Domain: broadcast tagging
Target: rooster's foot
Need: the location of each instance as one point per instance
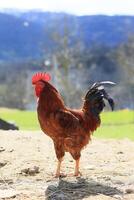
(78, 174)
(60, 175)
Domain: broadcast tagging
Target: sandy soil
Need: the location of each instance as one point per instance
(27, 163)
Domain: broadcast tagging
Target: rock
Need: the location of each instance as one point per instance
(129, 190)
(2, 149)
(34, 170)
(30, 171)
(11, 150)
(52, 187)
(2, 164)
(62, 196)
(4, 125)
(25, 171)
(107, 178)
(120, 152)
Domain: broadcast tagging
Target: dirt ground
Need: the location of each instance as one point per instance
(27, 165)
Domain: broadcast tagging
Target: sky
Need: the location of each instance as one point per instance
(78, 7)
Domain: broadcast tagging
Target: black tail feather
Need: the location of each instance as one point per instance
(96, 95)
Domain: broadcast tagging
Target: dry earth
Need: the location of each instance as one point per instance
(27, 163)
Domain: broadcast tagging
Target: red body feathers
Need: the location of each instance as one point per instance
(69, 129)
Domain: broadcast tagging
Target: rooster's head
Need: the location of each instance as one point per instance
(39, 80)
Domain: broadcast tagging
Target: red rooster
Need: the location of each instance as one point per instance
(69, 129)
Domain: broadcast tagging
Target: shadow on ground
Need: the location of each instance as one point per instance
(81, 188)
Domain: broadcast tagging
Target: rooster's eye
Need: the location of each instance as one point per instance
(39, 87)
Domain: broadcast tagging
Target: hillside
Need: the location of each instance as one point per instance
(29, 34)
(96, 48)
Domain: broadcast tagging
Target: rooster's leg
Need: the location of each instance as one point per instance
(59, 150)
(77, 171)
(76, 156)
(58, 174)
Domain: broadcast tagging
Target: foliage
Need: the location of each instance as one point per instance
(78, 55)
(125, 59)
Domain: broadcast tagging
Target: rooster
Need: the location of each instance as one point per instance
(69, 129)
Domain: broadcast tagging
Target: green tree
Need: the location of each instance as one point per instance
(125, 59)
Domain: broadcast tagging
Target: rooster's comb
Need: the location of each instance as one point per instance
(40, 76)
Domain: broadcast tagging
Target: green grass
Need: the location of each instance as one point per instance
(118, 132)
(118, 117)
(25, 120)
(118, 124)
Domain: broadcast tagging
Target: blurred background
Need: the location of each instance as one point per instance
(78, 42)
